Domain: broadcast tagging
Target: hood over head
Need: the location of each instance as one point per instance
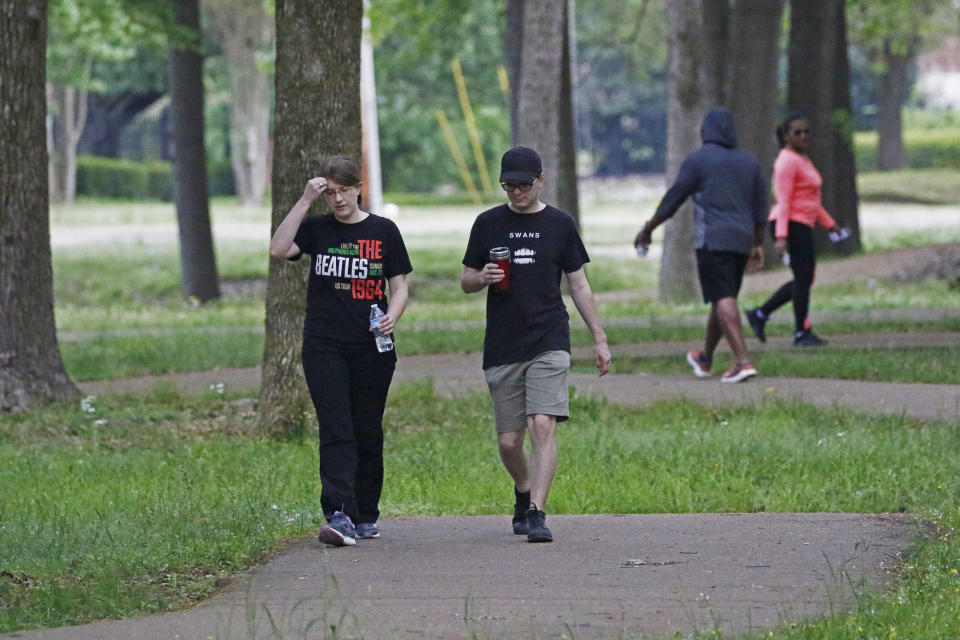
(718, 128)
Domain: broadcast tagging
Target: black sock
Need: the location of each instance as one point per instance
(532, 507)
(522, 498)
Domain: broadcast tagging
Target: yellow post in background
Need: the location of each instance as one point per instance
(504, 81)
(471, 125)
(454, 148)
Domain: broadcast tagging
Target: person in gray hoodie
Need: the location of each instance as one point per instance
(730, 209)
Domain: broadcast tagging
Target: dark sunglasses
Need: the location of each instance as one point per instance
(522, 187)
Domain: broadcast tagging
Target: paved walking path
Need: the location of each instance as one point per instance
(455, 373)
(605, 576)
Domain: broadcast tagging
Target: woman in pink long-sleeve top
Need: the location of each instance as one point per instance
(796, 184)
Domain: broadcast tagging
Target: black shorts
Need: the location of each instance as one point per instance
(721, 273)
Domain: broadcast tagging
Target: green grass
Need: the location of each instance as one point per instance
(921, 186)
(157, 352)
(169, 493)
(931, 365)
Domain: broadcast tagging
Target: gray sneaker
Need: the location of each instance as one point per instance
(339, 531)
(367, 530)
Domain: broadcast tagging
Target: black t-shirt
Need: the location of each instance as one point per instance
(351, 266)
(529, 318)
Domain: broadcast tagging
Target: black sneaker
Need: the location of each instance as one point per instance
(520, 506)
(537, 526)
(758, 325)
(808, 339)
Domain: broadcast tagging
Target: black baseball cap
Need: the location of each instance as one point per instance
(520, 164)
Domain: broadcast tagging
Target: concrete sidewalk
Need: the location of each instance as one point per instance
(605, 576)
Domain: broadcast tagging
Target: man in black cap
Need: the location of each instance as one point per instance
(526, 349)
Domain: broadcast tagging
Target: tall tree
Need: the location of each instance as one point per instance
(197, 259)
(244, 32)
(751, 81)
(31, 369)
(891, 32)
(317, 115)
(687, 102)
(542, 111)
(818, 85)
(82, 36)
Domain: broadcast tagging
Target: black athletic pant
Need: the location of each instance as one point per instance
(349, 392)
(803, 262)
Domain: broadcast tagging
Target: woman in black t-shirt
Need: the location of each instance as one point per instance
(356, 258)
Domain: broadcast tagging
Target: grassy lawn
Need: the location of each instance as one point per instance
(933, 365)
(122, 314)
(922, 186)
(152, 524)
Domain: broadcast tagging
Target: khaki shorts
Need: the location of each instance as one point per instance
(524, 389)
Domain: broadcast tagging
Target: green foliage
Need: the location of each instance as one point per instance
(150, 180)
(113, 178)
(621, 59)
(84, 34)
(923, 148)
(415, 44)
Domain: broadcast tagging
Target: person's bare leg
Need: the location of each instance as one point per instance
(543, 456)
(728, 316)
(714, 331)
(510, 446)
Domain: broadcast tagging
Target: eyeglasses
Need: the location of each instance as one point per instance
(522, 187)
(342, 191)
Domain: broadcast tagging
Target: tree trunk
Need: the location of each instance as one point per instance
(716, 42)
(686, 105)
(568, 197)
(68, 125)
(819, 87)
(537, 47)
(513, 55)
(538, 102)
(894, 91)
(197, 258)
(242, 29)
(317, 115)
(31, 369)
(107, 116)
(249, 127)
(752, 82)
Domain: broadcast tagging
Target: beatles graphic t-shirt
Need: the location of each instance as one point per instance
(529, 318)
(351, 264)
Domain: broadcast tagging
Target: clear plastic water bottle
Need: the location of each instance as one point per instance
(384, 342)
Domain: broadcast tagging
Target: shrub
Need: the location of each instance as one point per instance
(131, 180)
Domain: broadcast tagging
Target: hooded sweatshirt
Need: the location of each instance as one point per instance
(728, 188)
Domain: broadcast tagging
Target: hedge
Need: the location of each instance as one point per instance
(131, 180)
(923, 149)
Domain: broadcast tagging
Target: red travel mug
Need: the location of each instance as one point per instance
(501, 257)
